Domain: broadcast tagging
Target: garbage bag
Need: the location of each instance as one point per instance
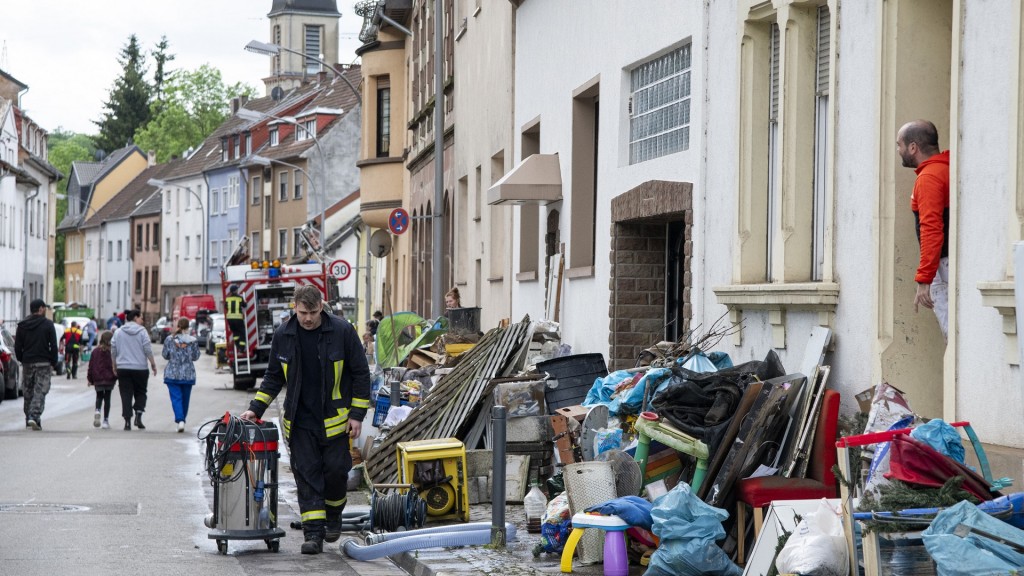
(941, 436)
(556, 524)
(633, 510)
(816, 546)
(697, 363)
(978, 551)
(688, 529)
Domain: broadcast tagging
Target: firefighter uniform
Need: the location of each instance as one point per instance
(235, 316)
(320, 401)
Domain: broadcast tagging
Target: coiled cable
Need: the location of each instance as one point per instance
(392, 510)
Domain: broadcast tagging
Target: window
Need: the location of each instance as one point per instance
(307, 131)
(312, 48)
(266, 214)
(155, 243)
(297, 249)
(529, 215)
(214, 253)
(138, 281)
(233, 185)
(120, 250)
(110, 251)
(383, 117)
(167, 196)
(138, 236)
(659, 118)
(214, 201)
(248, 144)
(199, 246)
(167, 250)
(236, 147)
(298, 184)
(273, 136)
(188, 246)
(257, 190)
(282, 186)
(226, 250)
(224, 149)
(282, 243)
(256, 248)
(109, 290)
(583, 191)
(821, 167)
(154, 283)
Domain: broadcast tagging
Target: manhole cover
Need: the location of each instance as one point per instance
(41, 508)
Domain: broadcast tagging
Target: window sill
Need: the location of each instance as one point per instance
(776, 299)
(580, 272)
(530, 276)
(493, 279)
(1001, 295)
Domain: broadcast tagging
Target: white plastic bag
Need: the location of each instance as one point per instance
(817, 546)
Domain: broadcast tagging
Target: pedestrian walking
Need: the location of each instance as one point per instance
(72, 344)
(131, 351)
(181, 350)
(319, 359)
(90, 334)
(35, 346)
(102, 377)
(114, 322)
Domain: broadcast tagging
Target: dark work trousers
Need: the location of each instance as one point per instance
(71, 361)
(237, 326)
(321, 470)
(132, 384)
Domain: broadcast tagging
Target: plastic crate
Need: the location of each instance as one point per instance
(381, 408)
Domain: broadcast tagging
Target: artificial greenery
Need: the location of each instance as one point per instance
(897, 495)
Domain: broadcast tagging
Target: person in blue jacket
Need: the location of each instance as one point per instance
(181, 350)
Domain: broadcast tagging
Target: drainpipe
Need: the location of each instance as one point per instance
(359, 238)
(369, 280)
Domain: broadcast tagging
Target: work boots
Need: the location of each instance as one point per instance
(333, 531)
(314, 543)
(138, 420)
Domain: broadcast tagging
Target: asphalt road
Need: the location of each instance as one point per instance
(80, 500)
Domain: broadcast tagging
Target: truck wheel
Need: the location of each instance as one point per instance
(244, 383)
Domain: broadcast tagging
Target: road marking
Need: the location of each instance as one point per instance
(84, 440)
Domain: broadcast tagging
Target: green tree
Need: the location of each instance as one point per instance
(195, 103)
(161, 57)
(65, 148)
(128, 104)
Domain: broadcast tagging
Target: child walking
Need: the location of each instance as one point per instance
(180, 350)
(101, 376)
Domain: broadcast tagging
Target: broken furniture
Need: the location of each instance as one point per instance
(870, 541)
(650, 428)
(821, 483)
(615, 561)
(438, 470)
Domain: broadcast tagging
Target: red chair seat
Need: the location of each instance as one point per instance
(758, 492)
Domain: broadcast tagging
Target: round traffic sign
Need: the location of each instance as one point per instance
(340, 269)
(398, 222)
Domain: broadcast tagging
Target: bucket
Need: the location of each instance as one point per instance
(573, 376)
(464, 320)
(589, 484)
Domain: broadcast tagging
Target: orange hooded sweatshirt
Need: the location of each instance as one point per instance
(930, 203)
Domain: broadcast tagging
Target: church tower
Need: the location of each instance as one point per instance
(306, 30)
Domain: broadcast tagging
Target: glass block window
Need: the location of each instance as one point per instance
(659, 115)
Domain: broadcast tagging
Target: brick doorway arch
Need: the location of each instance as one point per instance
(650, 274)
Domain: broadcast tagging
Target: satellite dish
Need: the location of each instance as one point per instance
(380, 243)
(277, 93)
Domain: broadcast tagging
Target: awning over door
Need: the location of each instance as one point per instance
(538, 180)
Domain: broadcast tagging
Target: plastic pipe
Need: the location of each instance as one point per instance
(498, 536)
(421, 541)
(389, 536)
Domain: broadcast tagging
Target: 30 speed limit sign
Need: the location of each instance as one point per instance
(340, 269)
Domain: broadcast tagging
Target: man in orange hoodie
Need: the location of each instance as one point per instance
(918, 146)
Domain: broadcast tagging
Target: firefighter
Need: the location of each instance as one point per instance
(319, 359)
(234, 313)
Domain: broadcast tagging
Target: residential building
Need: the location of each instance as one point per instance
(110, 230)
(145, 223)
(90, 186)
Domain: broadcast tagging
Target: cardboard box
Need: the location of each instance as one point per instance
(577, 413)
(563, 439)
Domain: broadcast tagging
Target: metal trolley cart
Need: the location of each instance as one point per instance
(241, 462)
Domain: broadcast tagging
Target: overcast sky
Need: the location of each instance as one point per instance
(66, 51)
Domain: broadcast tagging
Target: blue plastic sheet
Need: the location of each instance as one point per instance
(942, 437)
(697, 363)
(688, 529)
(627, 401)
(973, 554)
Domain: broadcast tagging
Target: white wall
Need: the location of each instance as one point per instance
(116, 272)
(12, 213)
(179, 268)
(560, 46)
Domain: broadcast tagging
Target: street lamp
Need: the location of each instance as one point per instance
(253, 115)
(269, 49)
(161, 184)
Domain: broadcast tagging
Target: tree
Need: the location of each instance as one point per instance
(161, 57)
(65, 148)
(195, 104)
(127, 107)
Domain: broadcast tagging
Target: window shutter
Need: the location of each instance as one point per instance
(773, 114)
(824, 40)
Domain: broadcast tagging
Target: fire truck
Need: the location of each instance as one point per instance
(267, 288)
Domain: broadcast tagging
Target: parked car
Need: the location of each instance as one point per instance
(201, 330)
(11, 366)
(217, 333)
(161, 330)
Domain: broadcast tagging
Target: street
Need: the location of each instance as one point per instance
(75, 499)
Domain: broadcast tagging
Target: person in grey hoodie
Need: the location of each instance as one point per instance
(131, 351)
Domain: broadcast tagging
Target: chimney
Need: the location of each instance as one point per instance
(235, 105)
(151, 157)
(243, 100)
(321, 76)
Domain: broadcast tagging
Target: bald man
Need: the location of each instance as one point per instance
(917, 143)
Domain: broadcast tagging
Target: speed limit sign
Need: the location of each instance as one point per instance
(340, 269)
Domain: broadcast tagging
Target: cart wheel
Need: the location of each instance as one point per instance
(222, 546)
(273, 545)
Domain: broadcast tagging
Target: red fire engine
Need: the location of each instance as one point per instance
(267, 288)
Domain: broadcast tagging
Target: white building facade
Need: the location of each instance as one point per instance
(12, 206)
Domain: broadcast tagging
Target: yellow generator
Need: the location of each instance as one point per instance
(438, 470)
